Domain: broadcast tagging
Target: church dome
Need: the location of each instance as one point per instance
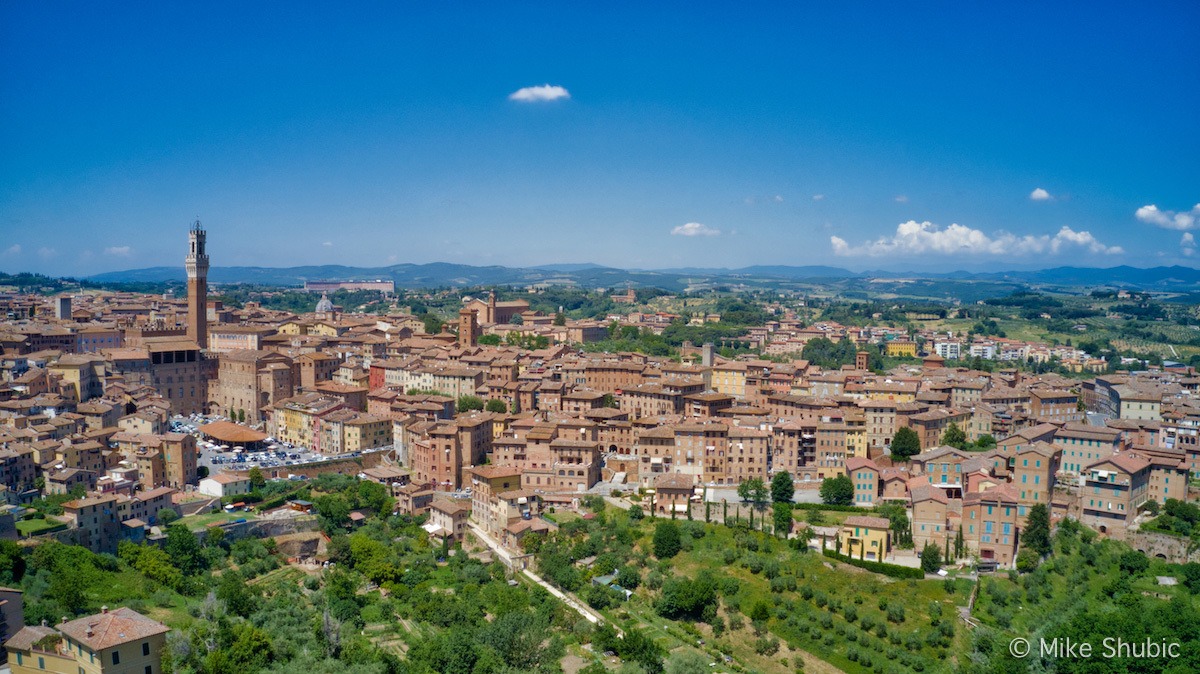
(324, 306)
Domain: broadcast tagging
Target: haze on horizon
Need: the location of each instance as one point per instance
(930, 139)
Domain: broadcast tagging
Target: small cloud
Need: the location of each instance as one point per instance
(1151, 215)
(902, 198)
(118, 251)
(694, 229)
(922, 238)
(749, 201)
(1039, 194)
(779, 198)
(328, 244)
(818, 197)
(45, 252)
(1187, 244)
(545, 92)
(14, 249)
(393, 257)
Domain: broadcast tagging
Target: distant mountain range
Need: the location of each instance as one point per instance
(588, 275)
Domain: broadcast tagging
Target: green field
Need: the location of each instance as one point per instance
(39, 526)
(205, 520)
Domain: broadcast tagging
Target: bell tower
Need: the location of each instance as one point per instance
(197, 289)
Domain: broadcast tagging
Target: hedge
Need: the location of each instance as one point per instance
(833, 508)
(893, 570)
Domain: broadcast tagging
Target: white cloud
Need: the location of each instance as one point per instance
(45, 252)
(545, 92)
(695, 229)
(327, 244)
(818, 197)
(14, 249)
(918, 238)
(779, 198)
(118, 251)
(1040, 194)
(902, 198)
(1151, 215)
(1187, 244)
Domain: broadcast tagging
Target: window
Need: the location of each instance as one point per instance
(116, 657)
(145, 648)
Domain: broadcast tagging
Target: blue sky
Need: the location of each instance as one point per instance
(689, 135)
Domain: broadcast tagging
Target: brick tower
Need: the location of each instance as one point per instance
(468, 328)
(197, 290)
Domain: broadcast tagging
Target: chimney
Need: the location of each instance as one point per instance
(103, 609)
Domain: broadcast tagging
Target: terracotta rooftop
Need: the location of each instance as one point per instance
(112, 628)
(227, 431)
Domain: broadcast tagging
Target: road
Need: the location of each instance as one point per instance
(570, 600)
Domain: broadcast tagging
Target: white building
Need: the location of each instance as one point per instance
(225, 484)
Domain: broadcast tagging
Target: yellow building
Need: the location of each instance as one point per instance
(856, 435)
(366, 431)
(111, 642)
(866, 538)
(902, 348)
(730, 379)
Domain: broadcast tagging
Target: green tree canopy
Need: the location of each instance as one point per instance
(837, 490)
(954, 437)
(496, 405)
(753, 490)
(931, 557)
(782, 487)
(469, 403)
(666, 540)
(905, 444)
(1037, 530)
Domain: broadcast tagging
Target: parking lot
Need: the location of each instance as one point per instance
(216, 457)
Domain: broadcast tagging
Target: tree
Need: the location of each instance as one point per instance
(489, 340)
(931, 557)
(954, 437)
(257, 481)
(433, 324)
(837, 490)
(666, 540)
(686, 662)
(1027, 560)
(682, 598)
(238, 598)
(12, 564)
(782, 487)
(469, 403)
(496, 405)
(166, 516)
(636, 513)
(985, 442)
(201, 472)
(516, 320)
(782, 518)
(184, 549)
(753, 490)
(905, 443)
(1037, 530)
(560, 319)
